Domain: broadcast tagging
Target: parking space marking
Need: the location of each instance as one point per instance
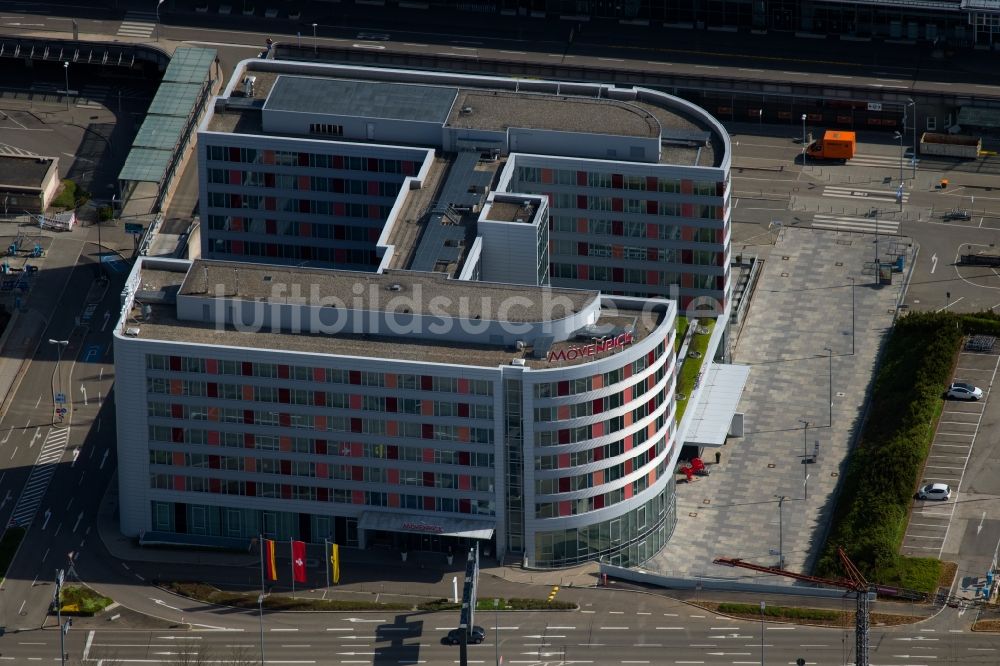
(933, 472)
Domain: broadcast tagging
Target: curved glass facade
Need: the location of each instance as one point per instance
(627, 541)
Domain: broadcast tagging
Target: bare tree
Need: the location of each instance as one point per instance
(240, 655)
(191, 655)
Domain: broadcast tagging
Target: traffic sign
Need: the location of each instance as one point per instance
(60, 397)
(874, 106)
(61, 411)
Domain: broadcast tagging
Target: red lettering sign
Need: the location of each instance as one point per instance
(605, 344)
(423, 527)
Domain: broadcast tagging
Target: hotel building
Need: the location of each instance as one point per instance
(460, 322)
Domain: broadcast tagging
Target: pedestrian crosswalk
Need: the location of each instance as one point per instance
(861, 225)
(52, 452)
(7, 149)
(137, 24)
(888, 161)
(868, 194)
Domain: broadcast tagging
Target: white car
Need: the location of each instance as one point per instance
(963, 391)
(934, 491)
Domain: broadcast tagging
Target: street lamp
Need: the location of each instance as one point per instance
(852, 314)
(260, 614)
(66, 71)
(805, 461)
(913, 158)
(496, 623)
(158, 3)
(60, 345)
(781, 536)
(899, 135)
(830, 355)
(315, 47)
(763, 605)
(803, 139)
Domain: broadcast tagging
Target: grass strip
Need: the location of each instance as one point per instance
(504, 605)
(212, 595)
(83, 601)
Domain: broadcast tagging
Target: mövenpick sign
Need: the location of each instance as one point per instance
(605, 345)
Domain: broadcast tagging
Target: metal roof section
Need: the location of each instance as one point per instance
(365, 99)
(146, 165)
(160, 132)
(189, 65)
(175, 99)
(720, 398)
(452, 222)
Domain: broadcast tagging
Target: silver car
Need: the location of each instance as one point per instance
(934, 491)
(963, 391)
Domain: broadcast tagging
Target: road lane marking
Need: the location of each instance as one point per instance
(614, 628)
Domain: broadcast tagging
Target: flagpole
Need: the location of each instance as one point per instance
(260, 600)
(326, 561)
(291, 545)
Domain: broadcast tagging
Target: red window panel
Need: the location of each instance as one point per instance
(338, 186)
(246, 369)
(248, 440)
(373, 188)
(284, 396)
(617, 227)
(212, 389)
(304, 205)
(251, 488)
(582, 249)
(463, 457)
(564, 484)
(355, 425)
(354, 401)
(355, 377)
(651, 184)
(305, 183)
(270, 203)
(319, 398)
(177, 411)
(652, 277)
(320, 445)
(269, 179)
(286, 491)
(617, 181)
(720, 282)
(409, 168)
(322, 495)
(564, 436)
(175, 363)
(464, 506)
(581, 201)
(427, 431)
(214, 486)
(599, 502)
(429, 479)
(237, 246)
(598, 405)
(581, 178)
(177, 435)
(235, 177)
(617, 204)
(271, 227)
(213, 462)
(303, 159)
(390, 404)
(284, 419)
(236, 201)
(373, 164)
(618, 274)
(373, 234)
(374, 212)
(357, 497)
(565, 508)
(392, 453)
(428, 504)
(337, 161)
(599, 453)
(212, 366)
(340, 256)
(357, 473)
(426, 383)
(651, 207)
(651, 254)
(248, 416)
(213, 437)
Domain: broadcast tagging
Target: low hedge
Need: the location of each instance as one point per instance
(213, 595)
(870, 518)
(784, 612)
(504, 605)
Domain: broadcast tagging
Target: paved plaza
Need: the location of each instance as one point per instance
(802, 307)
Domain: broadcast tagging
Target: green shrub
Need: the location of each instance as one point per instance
(81, 600)
(212, 595)
(785, 612)
(870, 518)
(71, 196)
(504, 605)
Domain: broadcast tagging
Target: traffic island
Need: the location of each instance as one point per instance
(277, 602)
(514, 604)
(80, 601)
(813, 616)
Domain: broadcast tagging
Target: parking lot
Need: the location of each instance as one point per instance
(949, 455)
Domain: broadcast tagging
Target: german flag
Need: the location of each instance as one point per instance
(270, 564)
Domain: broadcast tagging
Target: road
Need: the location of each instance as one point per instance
(621, 634)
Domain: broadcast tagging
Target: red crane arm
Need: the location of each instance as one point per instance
(736, 562)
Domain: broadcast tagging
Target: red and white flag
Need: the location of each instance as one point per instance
(299, 561)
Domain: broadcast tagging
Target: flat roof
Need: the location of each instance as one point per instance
(23, 170)
(161, 322)
(500, 110)
(365, 99)
(719, 400)
(375, 291)
(508, 211)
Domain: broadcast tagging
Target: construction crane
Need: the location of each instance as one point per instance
(855, 582)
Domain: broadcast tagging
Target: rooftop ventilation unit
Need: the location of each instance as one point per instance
(394, 287)
(132, 332)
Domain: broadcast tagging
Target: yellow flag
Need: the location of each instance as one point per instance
(335, 561)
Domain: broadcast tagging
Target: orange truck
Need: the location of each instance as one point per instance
(835, 145)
